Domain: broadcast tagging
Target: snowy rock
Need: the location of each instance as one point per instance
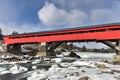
(73, 68)
(57, 60)
(65, 65)
(35, 61)
(65, 54)
(60, 56)
(57, 76)
(72, 78)
(34, 67)
(37, 76)
(47, 59)
(5, 72)
(101, 66)
(84, 63)
(73, 54)
(17, 69)
(53, 67)
(84, 78)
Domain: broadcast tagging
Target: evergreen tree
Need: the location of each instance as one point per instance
(84, 48)
(14, 32)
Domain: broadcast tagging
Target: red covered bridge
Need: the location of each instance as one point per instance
(106, 33)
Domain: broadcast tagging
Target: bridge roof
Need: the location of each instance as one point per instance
(68, 29)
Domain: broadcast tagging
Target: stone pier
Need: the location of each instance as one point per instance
(47, 49)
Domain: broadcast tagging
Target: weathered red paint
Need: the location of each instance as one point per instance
(109, 32)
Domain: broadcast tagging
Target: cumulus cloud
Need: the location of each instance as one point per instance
(73, 15)
(50, 15)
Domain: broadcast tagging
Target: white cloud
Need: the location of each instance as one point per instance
(50, 15)
(9, 28)
(6, 29)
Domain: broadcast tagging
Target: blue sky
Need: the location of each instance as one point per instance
(39, 15)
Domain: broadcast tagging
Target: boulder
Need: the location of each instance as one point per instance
(73, 54)
(116, 58)
(101, 66)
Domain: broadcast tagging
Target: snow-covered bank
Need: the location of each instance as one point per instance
(92, 54)
(95, 55)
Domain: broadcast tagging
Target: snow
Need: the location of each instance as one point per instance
(17, 69)
(57, 60)
(34, 67)
(87, 66)
(79, 68)
(36, 76)
(84, 63)
(74, 73)
(95, 55)
(36, 61)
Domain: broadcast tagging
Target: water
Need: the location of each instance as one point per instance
(18, 76)
(45, 66)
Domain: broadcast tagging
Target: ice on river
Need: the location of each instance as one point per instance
(84, 67)
(87, 66)
(14, 69)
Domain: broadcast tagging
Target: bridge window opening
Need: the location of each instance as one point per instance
(13, 37)
(26, 36)
(92, 31)
(115, 28)
(101, 30)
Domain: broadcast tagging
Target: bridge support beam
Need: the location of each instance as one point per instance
(47, 49)
(51, 47)
(116, 47)
(111, 45)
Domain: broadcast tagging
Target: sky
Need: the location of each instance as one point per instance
(40, 15)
